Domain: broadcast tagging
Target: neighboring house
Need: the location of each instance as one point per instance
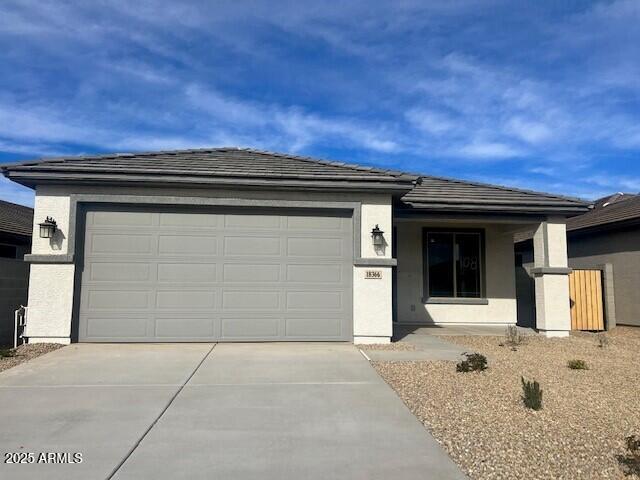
(607, 238)
(15, 241)
(243, 245)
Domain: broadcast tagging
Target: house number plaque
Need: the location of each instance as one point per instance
(373, 274)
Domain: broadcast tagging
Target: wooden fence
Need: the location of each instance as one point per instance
(585, 291)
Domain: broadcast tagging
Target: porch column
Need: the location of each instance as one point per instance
(551, 272)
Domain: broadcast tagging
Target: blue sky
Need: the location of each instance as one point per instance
(542, 95)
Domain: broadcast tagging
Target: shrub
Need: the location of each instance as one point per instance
(475, 362)
(630, 462)
(577, 365)
(513, 337)
(531, 394)
(603, 340)
(4, 353)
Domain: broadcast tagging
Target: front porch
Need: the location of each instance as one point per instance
(458, 272)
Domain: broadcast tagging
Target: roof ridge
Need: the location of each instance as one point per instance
(508, 189)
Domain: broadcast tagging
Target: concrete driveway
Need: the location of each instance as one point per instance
(228, 411)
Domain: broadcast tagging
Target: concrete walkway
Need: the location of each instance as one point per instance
(201, 411)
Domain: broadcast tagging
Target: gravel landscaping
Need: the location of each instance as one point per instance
(24, 353)
(480, 419)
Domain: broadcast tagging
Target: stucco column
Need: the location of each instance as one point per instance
(51, 274)
(553, 316)
(372, 274)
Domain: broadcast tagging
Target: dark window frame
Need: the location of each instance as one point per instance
(425, 263)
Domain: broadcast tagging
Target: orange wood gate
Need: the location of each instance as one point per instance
(585, 290)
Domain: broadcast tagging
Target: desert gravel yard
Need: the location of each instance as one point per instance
(481, 421)
(15, 356)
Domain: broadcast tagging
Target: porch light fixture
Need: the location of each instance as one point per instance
(378, 236)
(48, 228)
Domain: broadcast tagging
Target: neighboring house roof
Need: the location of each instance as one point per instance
(233, 166)
(238, 167)
(610, 211)
(16, 219)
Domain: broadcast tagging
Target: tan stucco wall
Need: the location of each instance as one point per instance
(51, 286)
(499, 279)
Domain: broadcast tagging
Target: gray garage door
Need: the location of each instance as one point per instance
(200, 275)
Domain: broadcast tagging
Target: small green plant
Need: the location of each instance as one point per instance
(475, 362)
(531, 394)
(630, 462)
(577, 365)
(7, 352)
(603, 340)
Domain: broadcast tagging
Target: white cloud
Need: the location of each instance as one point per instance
(530, 131)
(489, 151)
(429, 121)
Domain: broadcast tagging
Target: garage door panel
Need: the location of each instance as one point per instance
(116, 327)
(252, 246)
(113, 243)
(248, 300)
(182, 219)
(314, 223)
(314, 273)
(252, 221)
(181, 327)
(322, 327)
(185, 299)
(119, 271)
(118, 299)
(251, 273)
(188, 245)
(120, 218)
(178, 274)
(186, 272)
(315, 300)
(314, 247)
(250, 328)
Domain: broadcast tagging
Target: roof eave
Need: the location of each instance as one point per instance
(494, 209)
(33, 178)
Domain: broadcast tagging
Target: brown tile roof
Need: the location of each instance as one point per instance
(614, 209)
(235, 163)
(435, 193)
(235, 167)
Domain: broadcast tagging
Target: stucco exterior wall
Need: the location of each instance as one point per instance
(621, 249)
(50, 303)
(52, 284)
(499, 278)
(57, 206)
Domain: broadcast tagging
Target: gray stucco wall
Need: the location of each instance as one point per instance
(621, 249)
(14, 281)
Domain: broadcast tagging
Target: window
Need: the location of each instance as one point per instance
(453, 263)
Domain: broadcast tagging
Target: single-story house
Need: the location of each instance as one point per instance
(606, 239)
(15, 241)
(229, 244)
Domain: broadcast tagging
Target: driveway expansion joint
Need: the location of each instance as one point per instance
(157, 419)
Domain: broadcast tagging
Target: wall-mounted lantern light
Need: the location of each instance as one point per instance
(378, 236)
(48, 228)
